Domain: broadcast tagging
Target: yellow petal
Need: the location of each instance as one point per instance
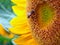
(26, 40)
(18, 30)
(19, 11)
(2, 31)
(19, 2)
(11, 35)
(18, 21)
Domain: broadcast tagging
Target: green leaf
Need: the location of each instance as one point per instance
(6, 41)
(6, 13)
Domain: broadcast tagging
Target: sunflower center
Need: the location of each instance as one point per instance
(45, 15)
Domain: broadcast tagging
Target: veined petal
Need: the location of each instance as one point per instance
(26, 40)
(2, 31)
(19, 21)
(19, 11)
(19, 2)
(20, 30)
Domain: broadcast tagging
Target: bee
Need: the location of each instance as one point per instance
(30, 13)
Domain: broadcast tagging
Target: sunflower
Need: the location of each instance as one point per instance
(43, 20)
